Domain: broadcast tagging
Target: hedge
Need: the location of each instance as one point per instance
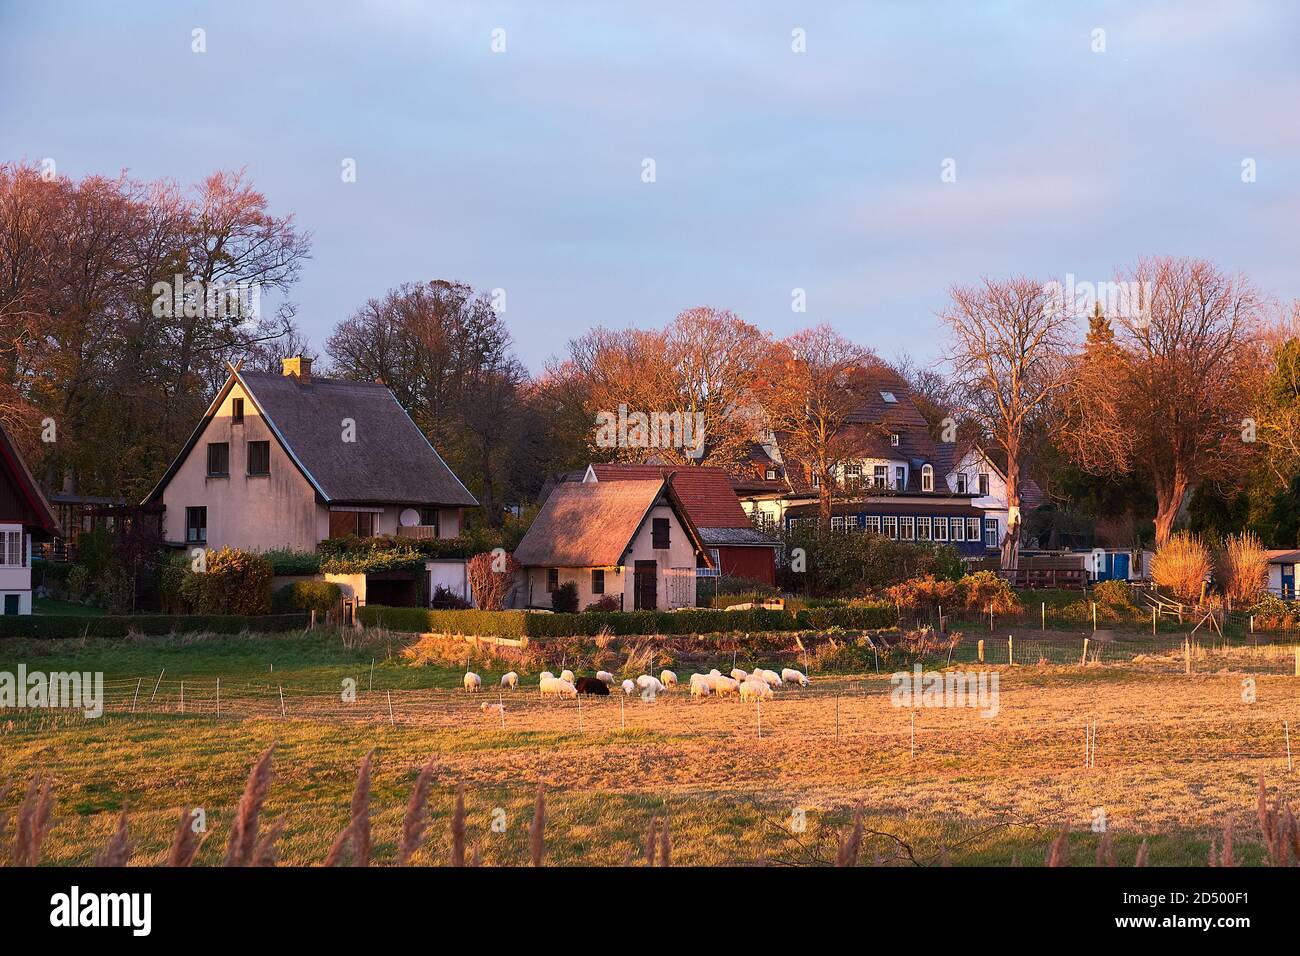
(517, 624)
(319, 596)
(121, 625)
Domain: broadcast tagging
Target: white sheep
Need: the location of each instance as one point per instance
(473, 683)
(754, 690)
(629, 687)
(606, 676)
(792, 676)
(668, 679)
(725, 686)
(553, 686)
(545, 674)
(491, 710)
(701, 686)
(740, 675)
(715, 673)
(771, 678)
(510, 680)
(645, 681)
(567, 675)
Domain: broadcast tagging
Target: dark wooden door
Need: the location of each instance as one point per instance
(646, 575)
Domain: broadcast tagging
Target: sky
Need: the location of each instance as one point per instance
(524, 169)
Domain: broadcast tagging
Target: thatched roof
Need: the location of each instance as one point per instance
(592, 524)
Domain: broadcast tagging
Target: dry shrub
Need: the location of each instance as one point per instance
(983, 590)
(926, 593)
(1182, 566)
(492, 578)
(1243, 568)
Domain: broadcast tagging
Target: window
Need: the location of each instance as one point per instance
(878, 474)
(854, 523)
(960, 478)
(900, 477)
(906, 528)
(13, 550)
(552, 579)
(927, 478)
(990, 532)
(597, 580)
(196, 525)
(889, 526)
(873, 524)
(940, 529)
(984, 483)
(923, 529)
(894, 439)
(237, 411)
(853, 471)
(958, 529)
(365, 524)
(429, 518)
(972, 529)
(218, 459)
(837, 523)
(889, 398)
(659, 533)
(816, 480)
(259, 457)
(770, 474)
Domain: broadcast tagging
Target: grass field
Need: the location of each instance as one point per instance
(1176, 755)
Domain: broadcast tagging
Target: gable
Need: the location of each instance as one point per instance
(21, 500)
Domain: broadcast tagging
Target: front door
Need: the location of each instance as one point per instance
(1288, 581)
(11, 603)
(645, 596)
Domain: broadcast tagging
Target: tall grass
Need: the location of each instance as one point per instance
(1243, 569)
(1182, 566)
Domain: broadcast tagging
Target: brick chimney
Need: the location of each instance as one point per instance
(297, 366)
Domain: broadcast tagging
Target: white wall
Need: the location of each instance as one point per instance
(17, 579)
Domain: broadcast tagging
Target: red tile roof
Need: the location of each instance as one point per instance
(705, 492)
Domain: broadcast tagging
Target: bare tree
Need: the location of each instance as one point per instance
(1008, 339)
(810, 386)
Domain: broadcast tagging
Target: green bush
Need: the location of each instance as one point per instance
(319, 596)
(78, 586)
(235, 582)
(1116, 594)
(564, 599)
(284, 561)
(516, 624)
(114, 625)
(839, 563)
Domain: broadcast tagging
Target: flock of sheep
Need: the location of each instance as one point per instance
(747, 685)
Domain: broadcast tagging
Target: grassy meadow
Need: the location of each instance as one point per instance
(1177, 755)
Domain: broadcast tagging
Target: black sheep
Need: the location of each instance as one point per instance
(593, 685)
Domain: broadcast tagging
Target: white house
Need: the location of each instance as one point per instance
(24, 515)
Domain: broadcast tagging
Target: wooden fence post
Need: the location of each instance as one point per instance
(1011, 652)
(1094, 615)
(981, 651)
(1084, 659)
(1044, 613)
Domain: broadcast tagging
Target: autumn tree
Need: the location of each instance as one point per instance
(1008, 339)
(809, 387)
(701, 369)
(1170, 396)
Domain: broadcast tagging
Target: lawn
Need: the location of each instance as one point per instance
(1177, 755)
(42, 605)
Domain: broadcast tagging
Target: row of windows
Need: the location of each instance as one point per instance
(597, 580)
(854, 474)
(917, 528)
(259, 458)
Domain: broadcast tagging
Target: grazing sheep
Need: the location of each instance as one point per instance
(606, 676)
(592, 685)
(645, 681)
(473, 683)
(491, 710)
(700, 686)
(793, 676)
(510, 680)
(725, 686)
(553, 686)
(566, 675)
(754, 690)
(545, 674)
(715, 673)
(740, 675)
(668, 679)
(629, 687)
(771, 678)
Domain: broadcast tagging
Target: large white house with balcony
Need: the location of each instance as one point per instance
(289, 460)
(24, 515)
(900, 482)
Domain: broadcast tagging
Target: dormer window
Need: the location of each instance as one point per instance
(889, 398)
(770, 474)
(894, 439)
(927, 478)
(960, 479)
